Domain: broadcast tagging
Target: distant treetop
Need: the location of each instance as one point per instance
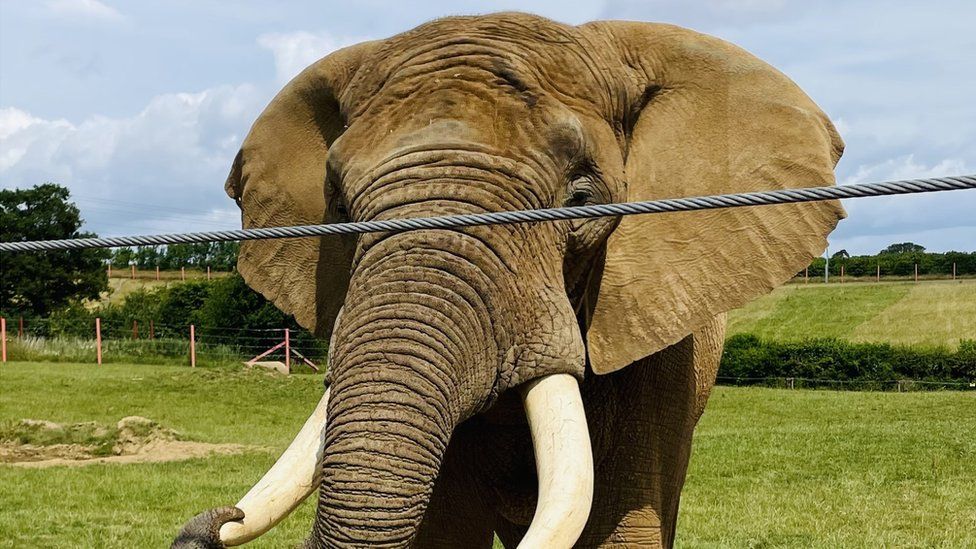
(903, 248)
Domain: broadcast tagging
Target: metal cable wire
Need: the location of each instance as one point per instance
(761, 198)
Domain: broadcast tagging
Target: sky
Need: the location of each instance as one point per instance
(140, 107)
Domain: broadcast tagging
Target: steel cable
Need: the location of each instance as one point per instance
(761, 198)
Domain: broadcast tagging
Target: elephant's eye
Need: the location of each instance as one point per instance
(342, 211)
(581, 192)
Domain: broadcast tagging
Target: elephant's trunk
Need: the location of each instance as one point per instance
(385, 444)
(411, 359)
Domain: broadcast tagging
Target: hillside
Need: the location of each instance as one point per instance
(927, 313)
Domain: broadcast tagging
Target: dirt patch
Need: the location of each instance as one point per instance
(135, 439)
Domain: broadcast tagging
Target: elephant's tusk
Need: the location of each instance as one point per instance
(289, 481)
(564, 461)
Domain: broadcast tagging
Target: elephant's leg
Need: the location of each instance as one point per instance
(643, 443)
(456, 515)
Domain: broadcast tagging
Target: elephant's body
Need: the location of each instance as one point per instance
(641, 420)
(449, 347)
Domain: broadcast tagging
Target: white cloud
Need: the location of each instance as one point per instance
(293, 51)
(90, 9)
(160, 169)
(939, 221)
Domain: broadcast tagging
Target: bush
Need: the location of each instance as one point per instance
(747, 356)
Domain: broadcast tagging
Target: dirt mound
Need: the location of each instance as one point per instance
(134, 439)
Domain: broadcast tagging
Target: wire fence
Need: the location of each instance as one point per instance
(149, 342)
(886, 385)
(283, 349)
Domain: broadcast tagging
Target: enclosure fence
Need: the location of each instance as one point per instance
(102, 341)
(887, 385)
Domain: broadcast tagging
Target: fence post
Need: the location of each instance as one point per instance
(877, 277)
(193, 349)
(208, 272)
(20, 329)
(183, 273)
(98, 340)
(806, 275)
(841, 274)
(157, 272)
(953, 270)
(3, 339)
(152, 330)
(790, 380)
(916, 272)
(287, 351)
(135, 329)
(132, 269)
(109, 269)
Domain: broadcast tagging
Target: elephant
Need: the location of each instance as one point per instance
(536, 381)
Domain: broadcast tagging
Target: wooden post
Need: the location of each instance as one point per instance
(916, 272)
(877, 277)
(152, 329)
(157, 272)
(98, 340)
(953, 270)
(193, 348)
(208, 272)
(806, 275)
(183, 273)
(3, 339)
(20, 329)
(110, 269)
(287, 351)
(135, 329)
(841, 274)
(790, 380)
(132, 268)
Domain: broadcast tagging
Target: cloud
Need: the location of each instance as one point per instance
(941, 221)
(160, 169)
(88, 9)
(294, 51)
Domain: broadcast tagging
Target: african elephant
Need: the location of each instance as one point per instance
(542, 380)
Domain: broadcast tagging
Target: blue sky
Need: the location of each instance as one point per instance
(139, 107)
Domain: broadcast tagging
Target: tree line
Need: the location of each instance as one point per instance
(897, 260)
(220, 256)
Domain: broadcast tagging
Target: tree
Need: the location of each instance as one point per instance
(841, 255)
(37, 283)
(903, 248)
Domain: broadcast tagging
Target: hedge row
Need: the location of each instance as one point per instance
(747, 356)
(901, 264)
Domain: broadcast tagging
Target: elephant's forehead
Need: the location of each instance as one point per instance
(506, 55)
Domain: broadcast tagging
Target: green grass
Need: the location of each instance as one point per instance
(927, 313)
(770, 467)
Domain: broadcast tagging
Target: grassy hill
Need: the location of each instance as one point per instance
(927, 313)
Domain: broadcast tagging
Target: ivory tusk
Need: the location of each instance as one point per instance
(289, 481)
(563, 460)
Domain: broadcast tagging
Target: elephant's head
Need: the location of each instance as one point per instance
(431, 327)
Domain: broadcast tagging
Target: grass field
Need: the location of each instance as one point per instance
(927, 313)
(771, 468)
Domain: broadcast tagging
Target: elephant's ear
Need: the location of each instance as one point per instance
(278, 178)
(711, 119)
